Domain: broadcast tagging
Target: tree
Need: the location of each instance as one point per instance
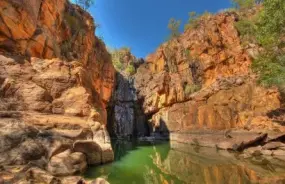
(271, 23)
(193, 20)
(173, 26)
(270, 65)
(85, 4)
(118, 56)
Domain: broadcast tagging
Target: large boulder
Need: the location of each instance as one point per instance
(91, 149)
(67, 163)
(40, 176)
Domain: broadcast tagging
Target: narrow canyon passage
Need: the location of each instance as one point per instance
(205, 106)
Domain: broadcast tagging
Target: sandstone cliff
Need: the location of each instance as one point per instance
(125, 116)
(202, 81)
(56, 80)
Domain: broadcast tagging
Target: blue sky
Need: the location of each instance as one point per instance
(142, 24)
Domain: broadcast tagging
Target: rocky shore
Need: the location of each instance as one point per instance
(61, 98)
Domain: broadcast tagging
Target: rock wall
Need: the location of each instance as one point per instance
(56, 29)
(202, 80)
(56, 80)
(126, 118)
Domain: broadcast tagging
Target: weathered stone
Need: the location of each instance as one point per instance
(225, 145)
(266, 152)
(74, 101)
(273, 145)
(255, 151)
(23, 153)
(280, 157)
(57, 148)
(126, 118)
(67, 163)
(38, 80)
(20, 24)
(278, 153)
(190, 83)
(91, 149)
(100, 181)
(40, 176)
(238, 141)
(107, 153)
(72, 179)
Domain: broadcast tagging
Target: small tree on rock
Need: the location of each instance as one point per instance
(173, 26)
(85, 4)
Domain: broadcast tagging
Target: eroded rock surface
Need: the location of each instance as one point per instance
(126, 117)
(56, 80)
(202, 80)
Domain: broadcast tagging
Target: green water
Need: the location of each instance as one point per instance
(147, 163)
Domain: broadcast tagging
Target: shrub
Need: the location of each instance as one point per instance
(193, 21)
(73, 22)
(125, 50)
(271, 23)
(191, 88)
(245, 27)
(187, 53)
(170, 54)
(118, 56)
(85, 4)
(130, 69)
(270, 65)
(173, 26)
(117, 64)
(271, 68)
(247, 30)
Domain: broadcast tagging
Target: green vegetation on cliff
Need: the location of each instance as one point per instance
(173, 26)
(194, 19)
(191, 88)
(123, 60)
(85, 4)
(244, 4)
(266, 29)
(269, 34)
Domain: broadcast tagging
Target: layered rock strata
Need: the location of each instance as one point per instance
(56, 80)
(126, 118)
(202, 80)
(199, 89)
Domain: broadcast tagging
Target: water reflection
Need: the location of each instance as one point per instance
(148, 163)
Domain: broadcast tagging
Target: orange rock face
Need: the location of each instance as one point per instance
(235, 107)
(56, 76)
(51, 29)
(202, 80)
(215, 44)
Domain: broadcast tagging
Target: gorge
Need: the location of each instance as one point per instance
(66, 108)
